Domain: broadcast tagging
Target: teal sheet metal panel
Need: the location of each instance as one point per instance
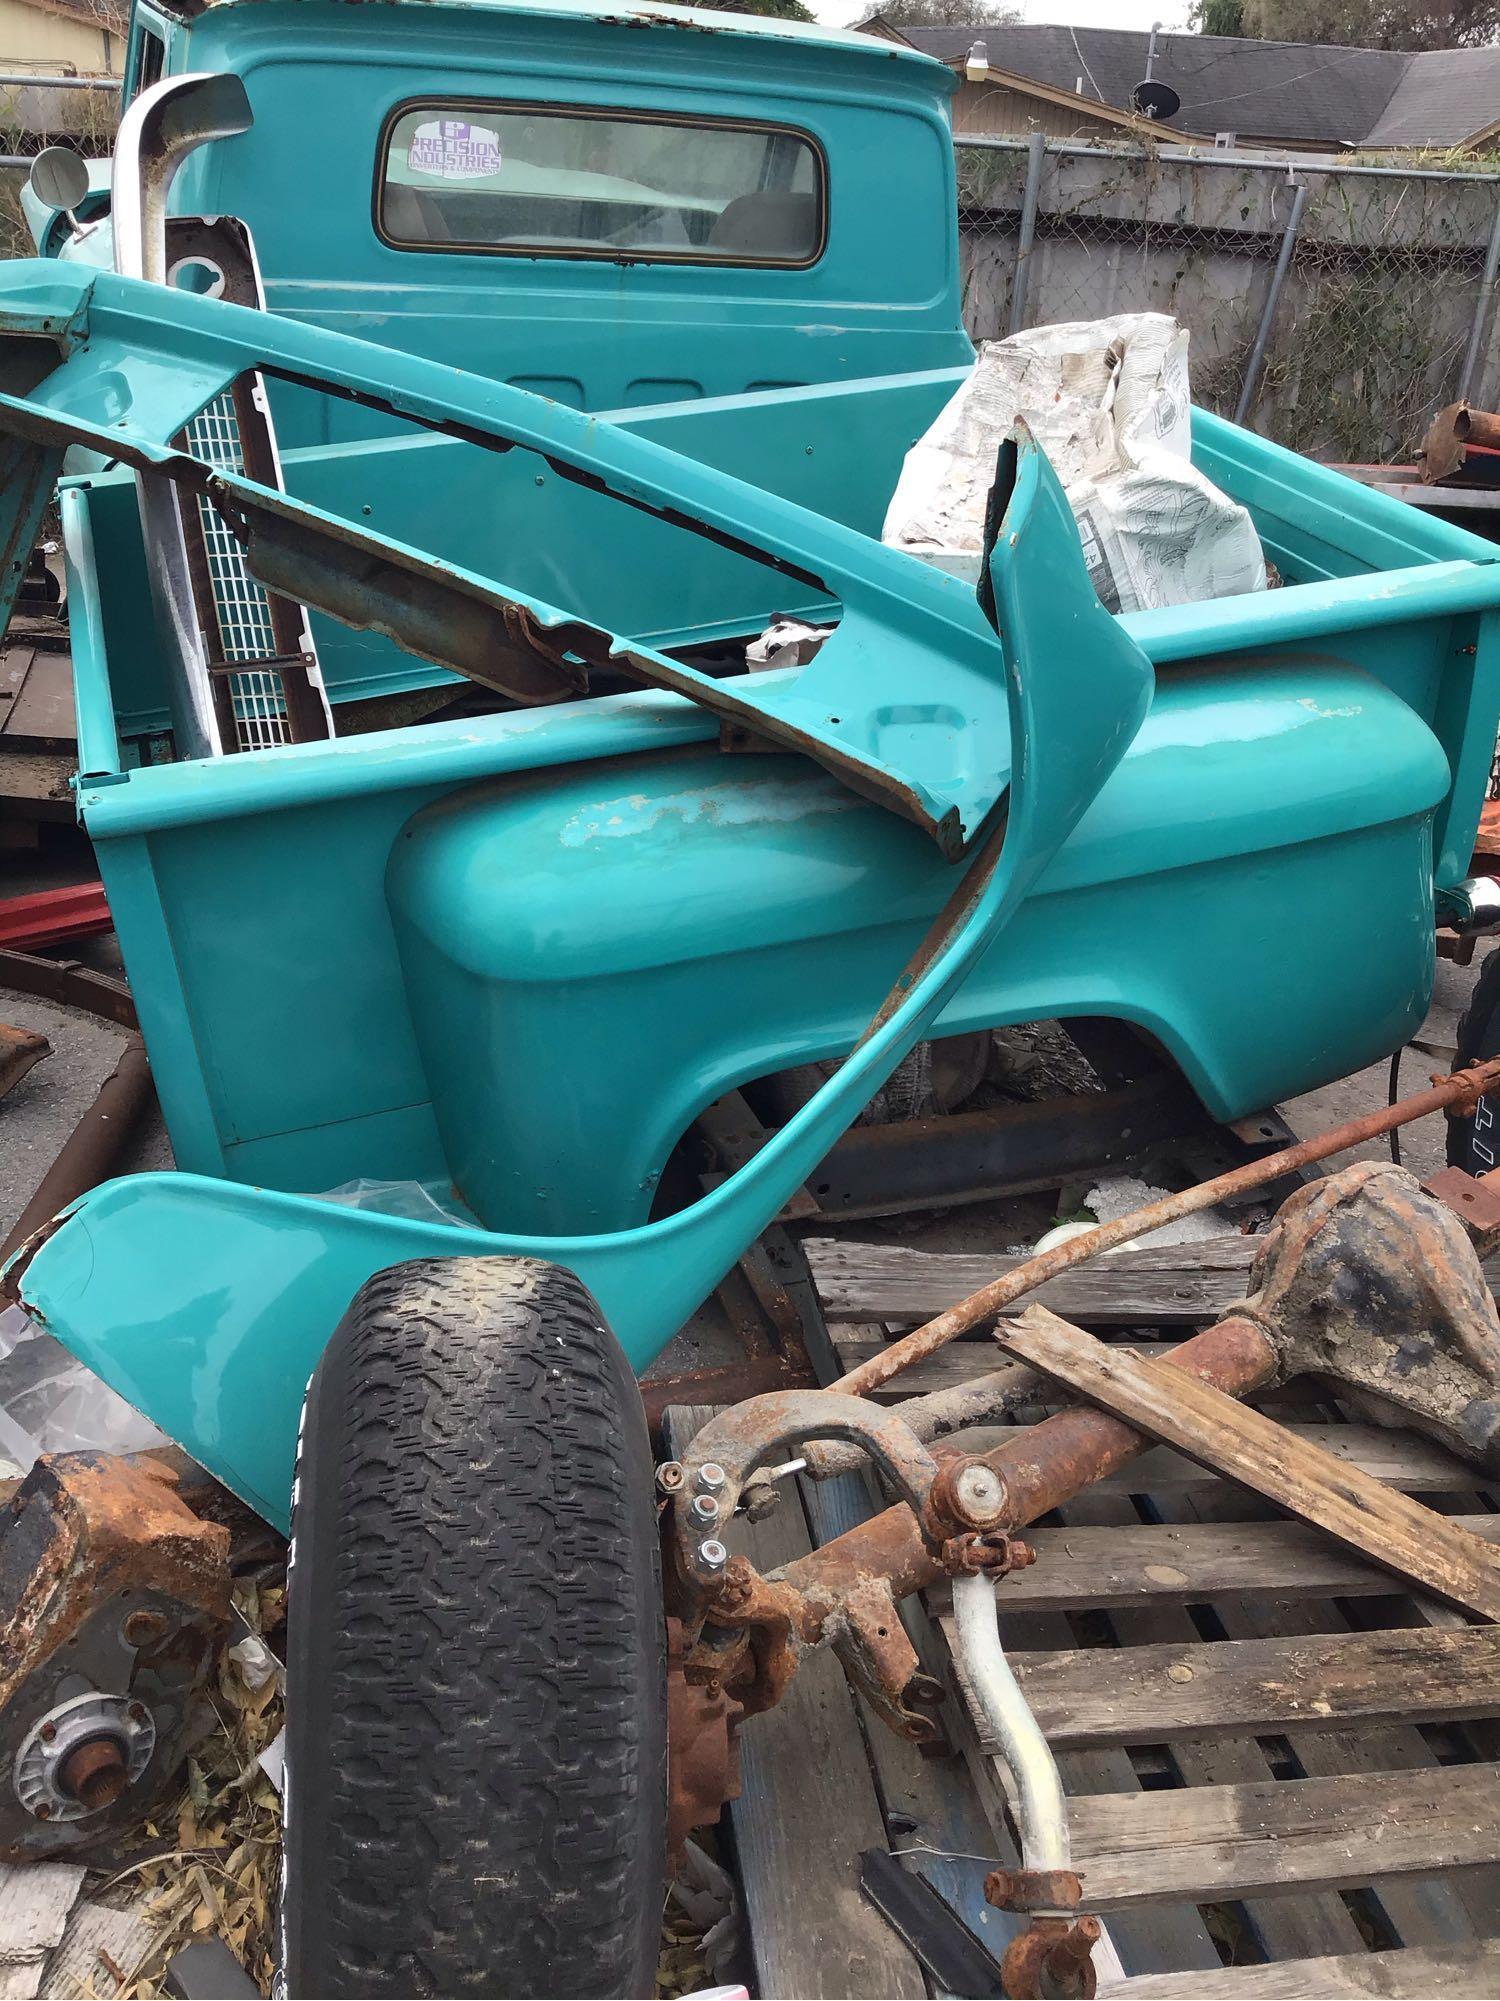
(1078, 690)
(836, 449)
(568, 1043)
(883, 298)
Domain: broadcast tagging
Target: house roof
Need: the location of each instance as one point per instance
(1291, 91)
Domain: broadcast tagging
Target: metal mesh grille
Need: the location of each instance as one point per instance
(244, 616)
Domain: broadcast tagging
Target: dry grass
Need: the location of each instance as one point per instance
(220, 1872)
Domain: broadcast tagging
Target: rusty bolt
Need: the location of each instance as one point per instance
(711, 1478)
(43, 1812)
(1069, 1965)
(670, 1476)
(95, 1774)
(138, 1712)
(712, 1554)
(47, 1732)
(141, 1628)
(704, 1510)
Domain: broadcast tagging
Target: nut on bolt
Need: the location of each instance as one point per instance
(711, 1478)
(704, 1510)
(712, 1554)
(670, 1476)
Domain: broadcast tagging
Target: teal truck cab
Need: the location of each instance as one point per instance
(591, 342)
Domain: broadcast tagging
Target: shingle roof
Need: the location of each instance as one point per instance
(1290, 91)
(1445, 96)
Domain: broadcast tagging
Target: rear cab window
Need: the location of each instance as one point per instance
(526, 180)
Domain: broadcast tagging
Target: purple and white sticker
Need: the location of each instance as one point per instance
(454, 150)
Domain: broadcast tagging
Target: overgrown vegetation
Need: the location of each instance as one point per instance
(1366, 24)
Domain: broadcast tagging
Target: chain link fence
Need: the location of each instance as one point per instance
(1330, 308)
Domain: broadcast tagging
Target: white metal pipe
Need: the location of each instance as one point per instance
(1042, 1810)
(158, 131)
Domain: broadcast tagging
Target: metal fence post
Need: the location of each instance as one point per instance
(1263, 331)
(1481, 308)
(1020, 283)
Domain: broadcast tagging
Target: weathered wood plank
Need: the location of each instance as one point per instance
(1295, 1925)
(1152, 1287)
(1146, 1694)
(1173, 1406)
(1208, 1842)
(1125, 1566)
(1394, 1458)
(807, 1807)
(1470, 1973)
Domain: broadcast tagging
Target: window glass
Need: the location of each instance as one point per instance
(586, 184)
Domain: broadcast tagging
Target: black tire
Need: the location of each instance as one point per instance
(476, 1681)
(1474, 1139)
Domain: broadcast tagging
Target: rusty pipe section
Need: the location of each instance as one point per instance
(1459, 1092)
(91, 1151)
(1043, 1466)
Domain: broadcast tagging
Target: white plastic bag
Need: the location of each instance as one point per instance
(49, 1402)
(1108, 402)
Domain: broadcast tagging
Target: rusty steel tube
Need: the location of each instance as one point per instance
(90, 1152)
(1459, 1091)
(1042, 1466)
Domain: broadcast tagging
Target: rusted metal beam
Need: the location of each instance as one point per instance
(731, 1384)
(68, 984)
(1455, 1093)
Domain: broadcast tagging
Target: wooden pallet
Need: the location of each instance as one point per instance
(1284, 1769)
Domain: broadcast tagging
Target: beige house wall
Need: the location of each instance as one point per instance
(36, 38)
(992, 110)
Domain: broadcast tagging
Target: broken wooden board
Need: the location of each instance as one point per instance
(1142, 1694)
(1460, 1973)
(1214, 1842)
(1230, 1438)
